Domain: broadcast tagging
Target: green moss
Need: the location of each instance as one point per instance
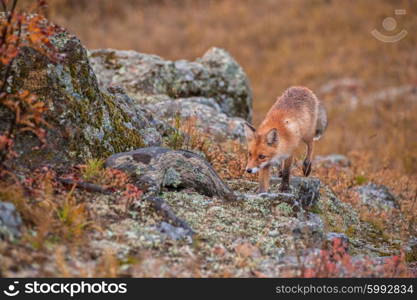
(87, 122)
(411, 256)
(104, 130)
(315, 209)
(351, 231)
(360, 179)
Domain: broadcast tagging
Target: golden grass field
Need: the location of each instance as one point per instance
(280, 43)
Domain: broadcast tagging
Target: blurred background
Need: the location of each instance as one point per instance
(366, 78)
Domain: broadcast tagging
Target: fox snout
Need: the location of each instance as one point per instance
(252, 166)
(252, 170)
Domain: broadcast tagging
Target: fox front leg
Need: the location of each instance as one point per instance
(264, 177)
(280, 169)
(285, 183)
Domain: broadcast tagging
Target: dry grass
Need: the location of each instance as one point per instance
(343, 180)
(228, 157)
(283, 43)
(50, 212)
(279, 44)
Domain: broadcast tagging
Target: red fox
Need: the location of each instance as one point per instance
(296, 116)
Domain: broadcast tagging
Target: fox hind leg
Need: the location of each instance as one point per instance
(308, 158)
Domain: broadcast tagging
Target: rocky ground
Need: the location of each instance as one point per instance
(132, 110)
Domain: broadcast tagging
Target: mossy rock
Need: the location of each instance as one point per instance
(150, 79)
(85, 121)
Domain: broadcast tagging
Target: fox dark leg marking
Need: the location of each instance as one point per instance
(308, 158)
(280, 169)
(285, 183)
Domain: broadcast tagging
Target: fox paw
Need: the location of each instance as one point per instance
(284, 188)
(306, 167)
(262, 190)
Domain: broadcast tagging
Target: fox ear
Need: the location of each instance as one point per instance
(249, 131)
(272, 136)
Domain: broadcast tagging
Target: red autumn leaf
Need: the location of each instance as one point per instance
(247, 250)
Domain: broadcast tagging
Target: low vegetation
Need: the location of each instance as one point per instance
(278, 44)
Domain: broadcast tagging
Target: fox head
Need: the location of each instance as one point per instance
(265, 148)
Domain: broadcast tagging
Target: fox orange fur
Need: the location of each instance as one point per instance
(297, 116)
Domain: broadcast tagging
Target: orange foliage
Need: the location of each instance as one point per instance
(17, 30)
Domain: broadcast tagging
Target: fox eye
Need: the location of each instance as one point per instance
(250, 154)
(261, 156)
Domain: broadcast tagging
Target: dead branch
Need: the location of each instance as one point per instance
(87, 186)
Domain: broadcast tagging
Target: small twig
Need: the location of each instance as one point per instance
(9, 66)
(87, 186)
(3, 4)
(160, 205)
(9, 19)
(12, 126)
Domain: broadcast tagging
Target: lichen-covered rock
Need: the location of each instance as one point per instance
(150, 79)
(85, 122)
(309, 262)
(332, 160)
(305, 192)
(155, 167)
(10, 221)
(207, 114)
(175, 233)
(307, 230)
(255, 221)
(377, 196)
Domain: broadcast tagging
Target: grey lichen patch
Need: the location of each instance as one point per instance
(10, 221)
(172, 178)
(253, 221)
(285, 209)
(338, 216)
(377, 197)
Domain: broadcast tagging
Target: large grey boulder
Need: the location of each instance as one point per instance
(10, 221)
(332, 160)
(85, 121)
(149, 79)
(207, 114)
(155, 168)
